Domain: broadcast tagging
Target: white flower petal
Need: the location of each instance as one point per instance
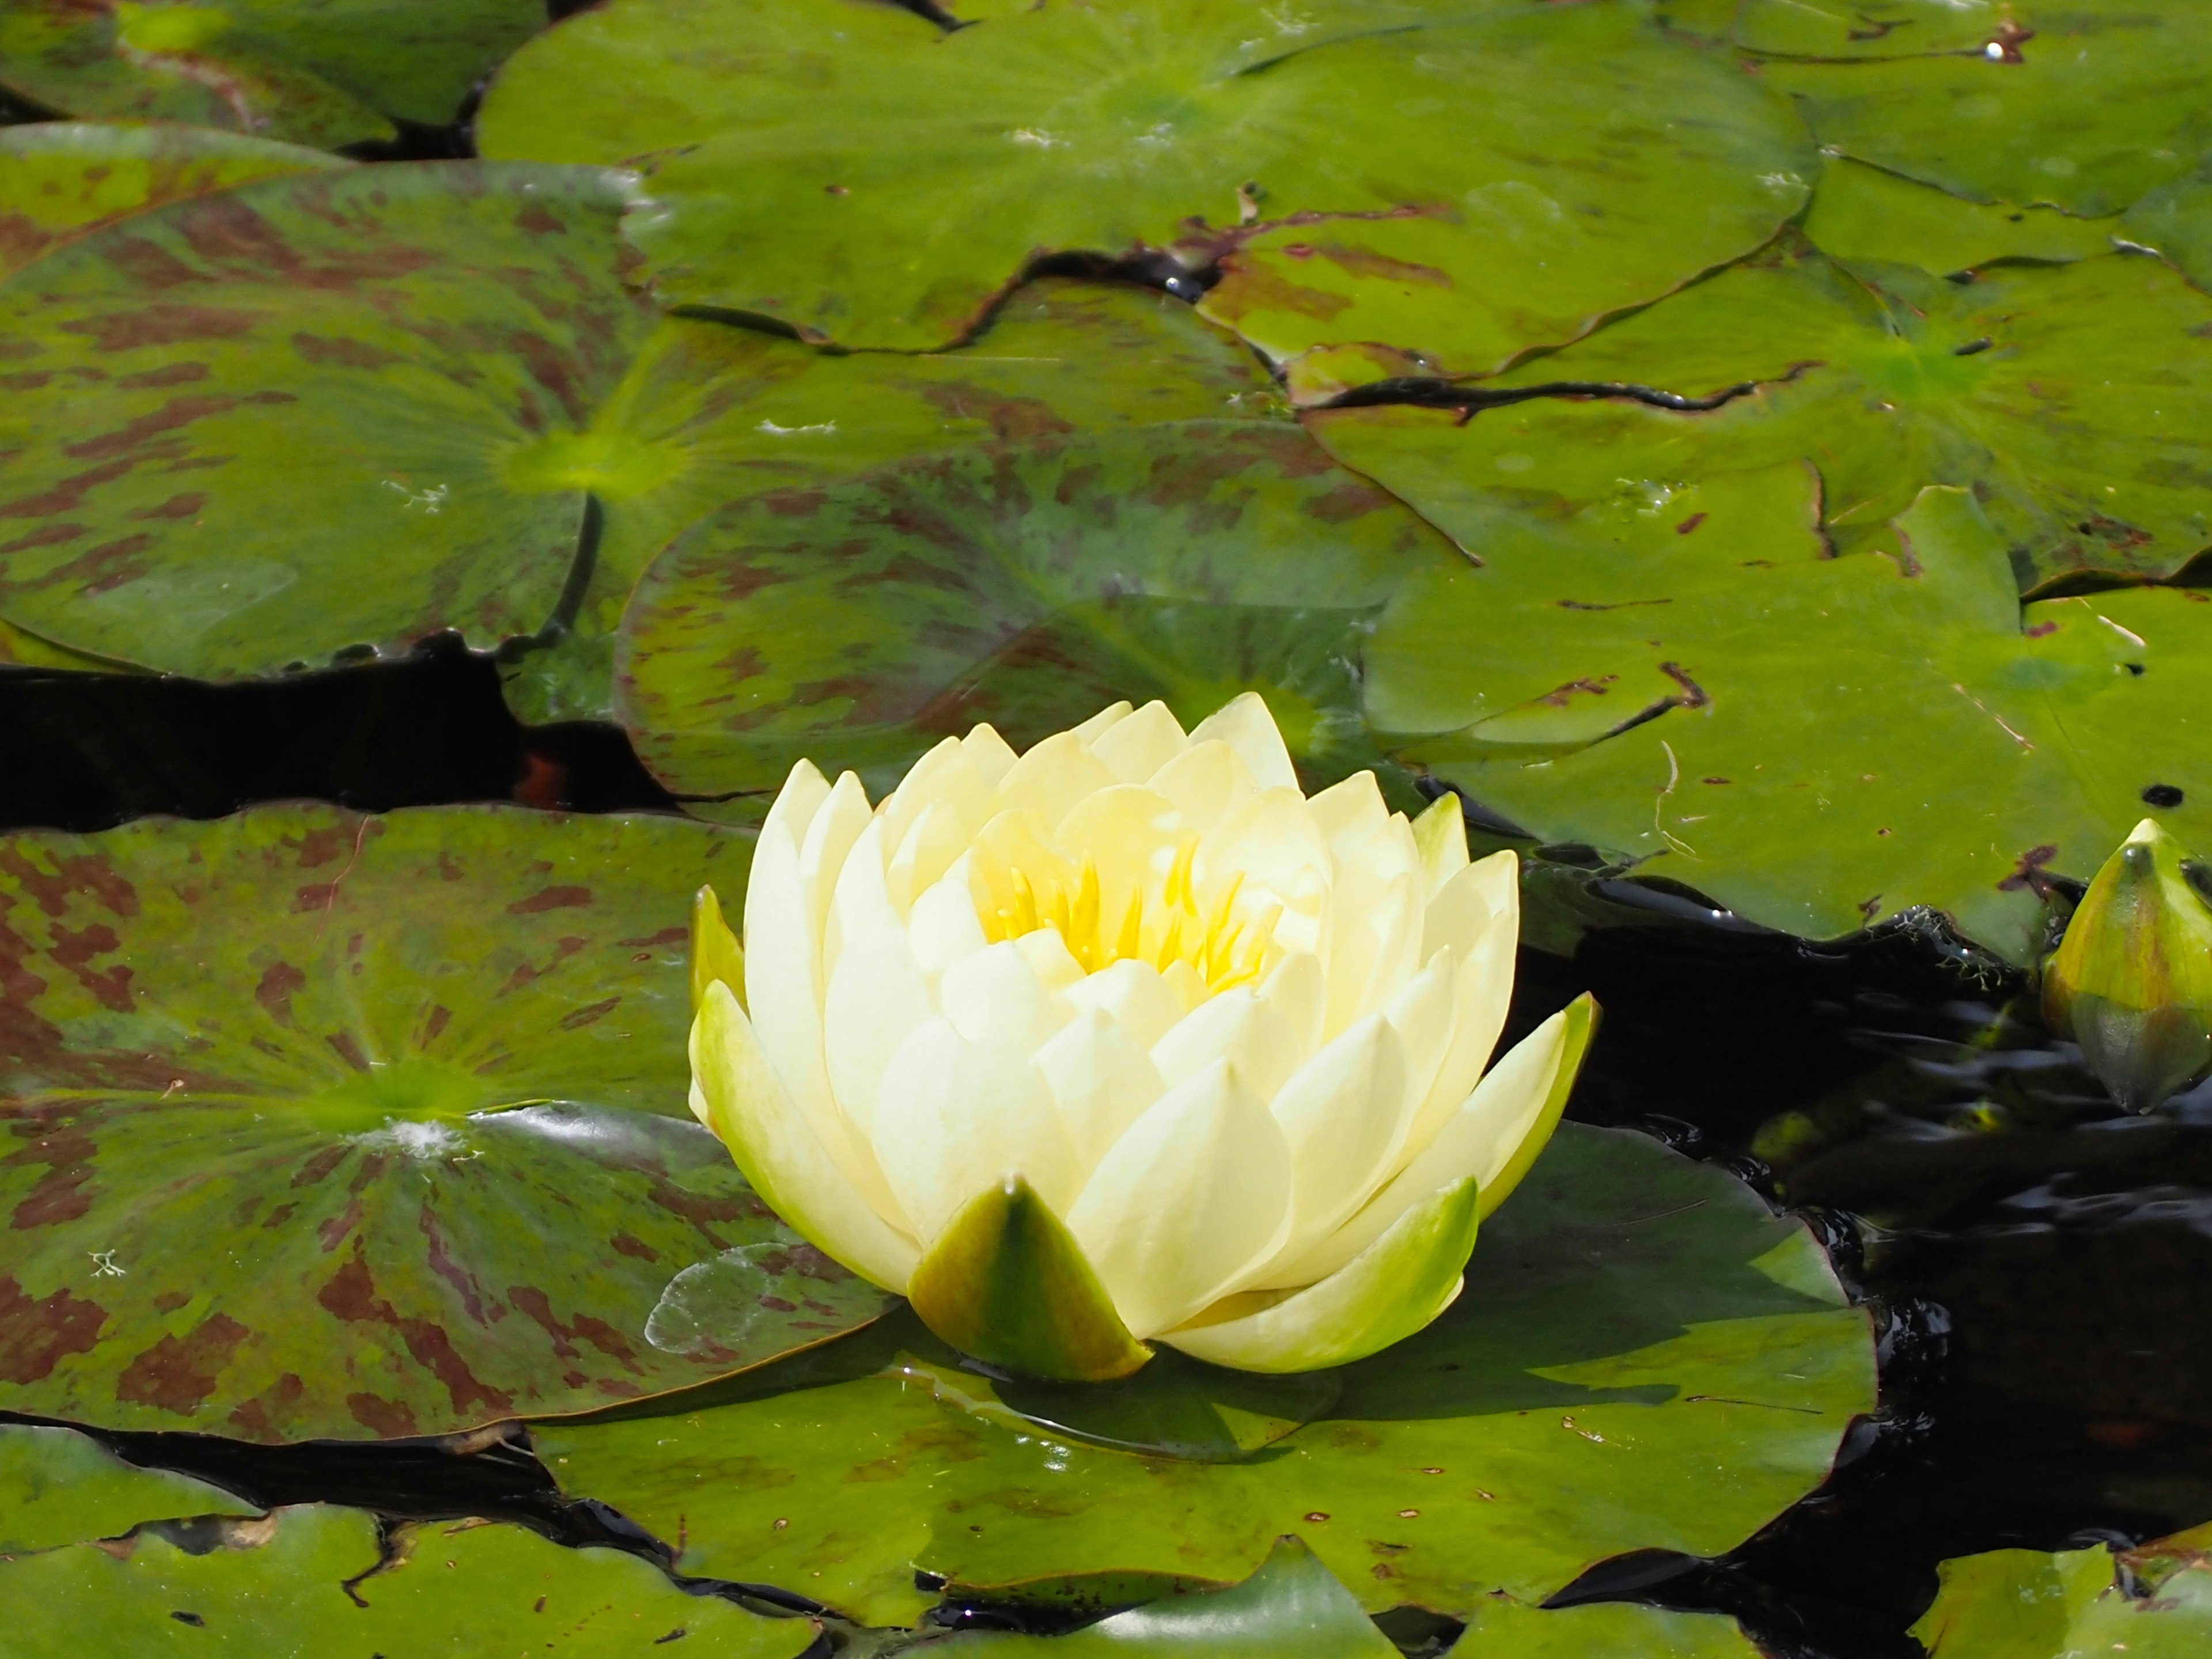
(1141, 743)
(1373, 950)
(1440, 834)
(1239, 1026)
(993, 757)
(1205, 781)
(992, 996)
(1348, 811)
(1245, 726)
(1101, 1080)
(1345, 1113)
(804, 791)
(943, 926)
(1424, 1012)
(1102, 722)
(1051, 778)
(1134, 996)
(877, 998)
(1482, 993)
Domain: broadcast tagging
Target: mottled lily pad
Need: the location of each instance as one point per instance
(326, 1125)
(2098, 105)
(709, 413)
(1622, 165)
(309, 417)
(1027, 584)
(1644, 1357)
(2151, 1603)
(1661, 658)
(63, 179)
(323, 72)
(860, 176)
(2075, 400)
(58, 1486)
(316, 1579)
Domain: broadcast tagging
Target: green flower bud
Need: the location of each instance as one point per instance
(2132, 979)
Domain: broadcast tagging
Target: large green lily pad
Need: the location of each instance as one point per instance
(1862, 214)
(859, 176)
(2075, 401)
(1028, 585)
(1643, 1356)
(2176, 220)
(316, 1579)
(327, 1126)
(1501, 1628)
(1663, 660)
(2022, 1604)
(709, 413)
(2103, 103)
(58, 1486)
(63, 179)
(1621, 164)
(323, 72)
(309, 417)
(1860, 30)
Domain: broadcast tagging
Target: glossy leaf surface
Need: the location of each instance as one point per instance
(313, 1580)
(58, 1486)
(709, 413)
(310, 416)
(1863, 215)
(2022, 1604)
(1660, 659)
(1501, 1628)
(413, 1086)
(323, 72)
(1622, 166)
(63, 179)
(1634, 1326)
(1861, 29)
(1027, 584)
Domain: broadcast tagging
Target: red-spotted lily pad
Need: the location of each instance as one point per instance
(325, 1126)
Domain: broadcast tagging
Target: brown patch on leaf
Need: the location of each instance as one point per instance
(552, 898)
(279, 979)
(583, 1328)
(351, 1296)
(37, 1332)
(177, 1374)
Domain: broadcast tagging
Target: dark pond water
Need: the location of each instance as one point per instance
(2038, 1264)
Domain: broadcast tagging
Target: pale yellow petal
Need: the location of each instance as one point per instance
(1051, 778)
(1134, 996)
(1440, 834)
(1205, 782)
(1345, 1113)
(1297, 988)
(1482, 995)
(1349, 811)
(1238, 1026)
(1424, 1012)
(1374, 950)
(878, 997)
(1100, 1081)
(992, 754)
(1046, 954)
(993, 996)
(1141, 743)
(1269, 844)
(804, 790)
(835, 826)
(948, 775)
(1103, 722)
(937, 835)
(943, 926)
(1246, 725)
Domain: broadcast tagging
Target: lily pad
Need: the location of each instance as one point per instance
(2097, 106)
(310, 416)
(63, 179)
(1623, 164)
(2075, 400)
(296, 1100)
(1846, 29)
(1661, 658)
(2176, 220)
(857, 175)
(322, 72)
(316, 1579)
(1027, 584)
(2151, 1603)
(1501, 1628)
(58, 1486)
(1862, 214)
(1644, 1357)
(709, 413)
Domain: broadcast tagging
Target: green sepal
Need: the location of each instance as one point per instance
(1006, 1282)
(715, 952)
(2132, 979)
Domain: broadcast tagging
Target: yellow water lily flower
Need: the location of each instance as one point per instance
(1126, 1041)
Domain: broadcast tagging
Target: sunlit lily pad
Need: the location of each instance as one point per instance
(58, 1486)
(709, 412)
(860, 176)
(1622, 165)
(329, 1125)
(1026, 585)
(2176, 220)
(1644, 1357)
(2075, 400)
(2151, 1603)
(63, 179)
(1846, 29)
(309, 417)
(316, 1579)
(1861, 213)
(324, 72)
(1501, 1628)
(1661, 658)
(2100, 104)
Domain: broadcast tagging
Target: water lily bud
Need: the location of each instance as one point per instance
(1125, 1041)
(2132, 979)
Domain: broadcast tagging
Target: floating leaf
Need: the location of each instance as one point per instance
(315, 1580)
(326, 1125)
(1027, 584)
(58, 1486)
(2075, 401)
(308, 416)
(1644, 1357)
(1659, 658)
(708, 413)
(2098, 105)
(1622, 166)
(2151, 1603)
(790, 147)
(2176, 220)
(1861, 213)
(63, 179)
(1501, 1628)
(324, 72)
(1843, 29)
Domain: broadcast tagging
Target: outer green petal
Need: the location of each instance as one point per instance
(715, 952)
(1390, 1290)
(1006, 1282)
(738, 1096)
(1581, 1017)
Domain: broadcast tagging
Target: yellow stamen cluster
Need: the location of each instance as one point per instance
(1224, 952)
